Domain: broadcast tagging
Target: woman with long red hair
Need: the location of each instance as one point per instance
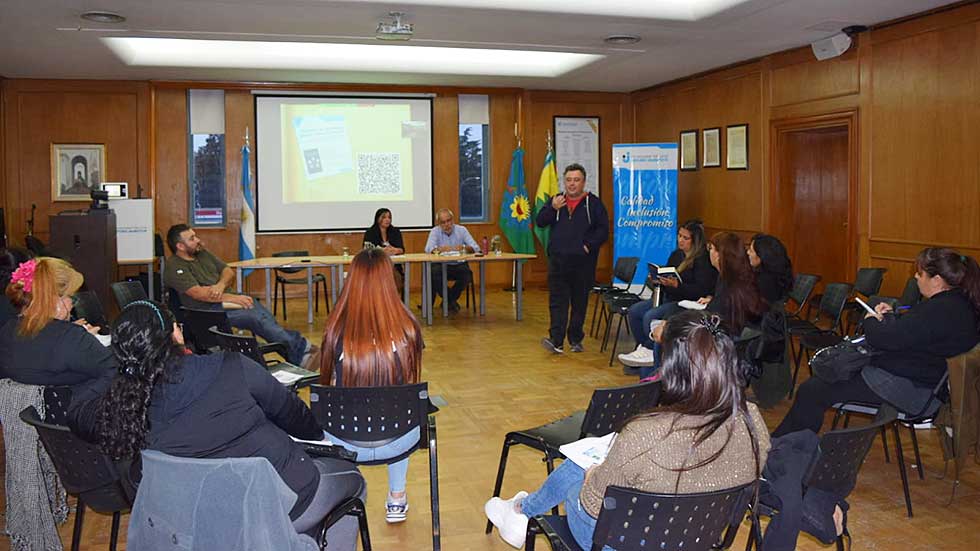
(737, 297)
(372, 339)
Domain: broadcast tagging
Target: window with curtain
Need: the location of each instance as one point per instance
(206, 157)
(474, 158)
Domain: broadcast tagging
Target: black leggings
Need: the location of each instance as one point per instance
(814, 397)
(339, 480)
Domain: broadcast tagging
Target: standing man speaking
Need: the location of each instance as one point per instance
(579, 226)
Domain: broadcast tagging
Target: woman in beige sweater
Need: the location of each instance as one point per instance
(703, 437)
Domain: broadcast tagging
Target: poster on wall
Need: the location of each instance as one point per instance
(645, 196)
(577, 141)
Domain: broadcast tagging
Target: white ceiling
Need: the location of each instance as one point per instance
(32, 46)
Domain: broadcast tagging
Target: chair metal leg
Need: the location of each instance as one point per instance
(884, 444)
(362, 525)
(915, 448)
(500, 476)
(275, 299)
(550, 464)
(76, 534)
(796, 371)
(605, 338)
(434, 486)
(615, 343)
(316, 297)
(114, 534)
(901, 469)
(532, 532)
(595, 308)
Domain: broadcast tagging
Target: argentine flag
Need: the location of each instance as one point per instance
(246, 235)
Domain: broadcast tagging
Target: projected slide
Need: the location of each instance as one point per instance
(327, 163)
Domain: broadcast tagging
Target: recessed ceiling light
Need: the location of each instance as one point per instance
(621, 39)
(680, 10)
(321, 56)
(102, 17)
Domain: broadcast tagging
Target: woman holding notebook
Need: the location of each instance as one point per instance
(703, 437)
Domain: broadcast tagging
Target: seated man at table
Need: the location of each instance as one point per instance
(449, 238)
(202, 280)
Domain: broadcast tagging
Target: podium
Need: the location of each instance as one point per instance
(87, 239)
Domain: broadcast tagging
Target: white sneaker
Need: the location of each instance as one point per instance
(641, 357)
(511, 525)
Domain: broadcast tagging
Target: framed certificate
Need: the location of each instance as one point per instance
(737, 142)
(577, 141)
(689, 150)
(711, 138)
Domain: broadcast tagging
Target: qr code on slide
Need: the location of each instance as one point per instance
(379, 173)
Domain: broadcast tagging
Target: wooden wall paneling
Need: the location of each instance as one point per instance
(170, 157)
(809, 80)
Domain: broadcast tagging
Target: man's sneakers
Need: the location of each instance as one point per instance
(503, 514)
(396, 510)
(576, 347)
(550, 346)
(641, 357)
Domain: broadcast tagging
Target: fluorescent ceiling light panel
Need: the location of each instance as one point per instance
(680, 10)
(319, 56)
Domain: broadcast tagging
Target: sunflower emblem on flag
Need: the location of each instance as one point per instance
(520, 209)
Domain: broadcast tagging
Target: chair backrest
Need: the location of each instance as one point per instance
(56, 402)
(834, 299)
(868, 281)
(911, 294)
(126, 292)
(158, 249)
(197, 323)
(631, 519)
(372, 416)
(609, 408)
(83, 469)
(841, 453)
(875, 300)
(246, 345)
(173, 302)
(625, 269)
(88, 307)
(35, 245)
(803, 285)
(290, 253)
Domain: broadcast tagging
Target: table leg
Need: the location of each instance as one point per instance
(333, 284)
(149, 278)
(483, 288)
(268, 288)
(445, 291)
(238, 280)
(520, 289)
(309, 295)
(407, 282)
(428, 296)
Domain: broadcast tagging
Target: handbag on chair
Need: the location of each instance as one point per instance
(842, 361)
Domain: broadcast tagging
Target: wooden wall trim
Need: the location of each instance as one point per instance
(943, 18)
(335, 87)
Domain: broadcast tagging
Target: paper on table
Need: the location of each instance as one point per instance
(286, 377)
(588, 451)
(692, 305)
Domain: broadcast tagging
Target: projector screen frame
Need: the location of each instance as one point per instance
(335, 95)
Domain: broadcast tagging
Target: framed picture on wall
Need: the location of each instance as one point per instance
(737, 142)
(689, 150)
(577, 141)
(711, 138)
(76, 170)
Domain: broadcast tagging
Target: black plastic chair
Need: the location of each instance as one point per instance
(624, 271)
(618, 304)
(631, 519)
(56, 402)
(88, 307)
(803, 285)
(911, 294)
(374, 416)
(126, 292)
(250, 347)
(833, 469)
(36, 246)
(319, 280)
(813, 337)
(608, 409)
(85, 472)
(198, 324)
(940, 395)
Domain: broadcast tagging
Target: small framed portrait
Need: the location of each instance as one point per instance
(76, 170)
(737, 141)
(712, 147)
(689, 150)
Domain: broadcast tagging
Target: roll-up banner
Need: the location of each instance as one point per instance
(645, 214)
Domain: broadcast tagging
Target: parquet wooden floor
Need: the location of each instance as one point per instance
(496, 377)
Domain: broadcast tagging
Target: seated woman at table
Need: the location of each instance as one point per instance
(772, 266)
(702, 437)
(389, 238)
(212, 406)
(913, 347)
(40, 346)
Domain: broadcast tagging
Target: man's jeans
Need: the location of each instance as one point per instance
(260, 321)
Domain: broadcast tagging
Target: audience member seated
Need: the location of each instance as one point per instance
(10, 259)
(449, 238)
(773, 268)
(913, 347)
(387, 237)
(699, 278)
(703, 437)
(371, 339)
(40, 346)
(213, 406)
(202, 280)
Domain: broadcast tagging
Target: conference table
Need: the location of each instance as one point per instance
(336, 266)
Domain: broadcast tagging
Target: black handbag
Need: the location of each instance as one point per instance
(842, 361)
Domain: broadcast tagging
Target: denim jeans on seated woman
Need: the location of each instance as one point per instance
(564, 485)
(398, 471)
(642, 313)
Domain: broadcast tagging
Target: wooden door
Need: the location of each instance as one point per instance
(812, 201)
